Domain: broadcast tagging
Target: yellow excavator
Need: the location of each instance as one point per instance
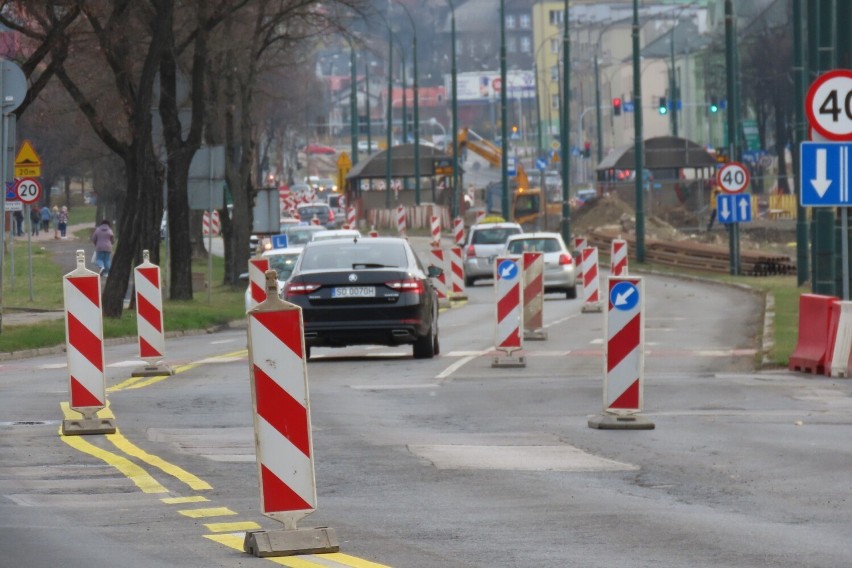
(528, 208)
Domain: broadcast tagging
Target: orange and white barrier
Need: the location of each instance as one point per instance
(458, 231)
(624, 357)
(618, 258)
(282, 428)
(439, 259)
(400, 220)
(150, 333)
(456, 280)
(350, 217)
(508, 291)
(533, 265)
(591, 284)
(84, 350)
(435, 226)
(257, 268)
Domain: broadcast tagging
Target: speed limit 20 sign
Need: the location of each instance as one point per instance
(28, 190)
(829, 105)
(733, 177)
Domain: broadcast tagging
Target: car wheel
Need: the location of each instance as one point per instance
(307, 352)
(468, 282)
(424, 347)
(571, 293)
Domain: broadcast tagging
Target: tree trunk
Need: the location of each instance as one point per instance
(780, 147)
(180, 285)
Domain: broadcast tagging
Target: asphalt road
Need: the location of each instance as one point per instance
(450, 462)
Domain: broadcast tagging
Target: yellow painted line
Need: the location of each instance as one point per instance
(142, 382)
(235, 541)
(183, 500)
(131, 449)
(295, 562)
(210, 512)
(233, 527)
(353, 561)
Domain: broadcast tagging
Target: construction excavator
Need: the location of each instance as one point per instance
(528, 208)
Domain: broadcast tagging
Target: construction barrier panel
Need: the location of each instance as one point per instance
(840, 339)
(814, 329)
(151, 335)
(480, 216)
(458, 231)
(282, 428)
(618, 258)
(257, 268)
(351, 219)
(533, 264)
(591, 283)
(624, 357)
(435, 227)
(456, 283)
(400, 220)
(438, 257)
(84, 350)
(508, 292)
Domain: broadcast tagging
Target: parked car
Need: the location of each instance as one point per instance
(365, 291)
(321, 211)
(282, 261)
(337, 203)
(559, 270)
(484, 242)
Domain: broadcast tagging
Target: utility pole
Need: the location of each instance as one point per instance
(733, 151)
(504, 134)
(565, 119)
(637, 142)
(799, 135)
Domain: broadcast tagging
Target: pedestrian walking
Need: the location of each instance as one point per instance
(62, 222)
(103, 238)
(35, 220)
(19, 223)
(45, 218)
(54, 216)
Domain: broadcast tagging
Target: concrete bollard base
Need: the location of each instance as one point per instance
(509, 360)
(83, 426)
(153, 371)
(589, 307)
(620, 422)
(535, 335)
(290, 542)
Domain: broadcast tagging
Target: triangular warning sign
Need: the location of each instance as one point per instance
(27, 155)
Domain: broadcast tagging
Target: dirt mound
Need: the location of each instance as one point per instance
(611, 212)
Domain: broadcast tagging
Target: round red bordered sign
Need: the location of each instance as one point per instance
(829, 105)
(28, 190)
(733, 177)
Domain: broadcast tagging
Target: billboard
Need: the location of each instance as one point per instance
(486, 85)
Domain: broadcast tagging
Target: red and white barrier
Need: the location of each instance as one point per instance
(618, 258)
(458, 231)
(435, 226)
(400, 220)
(624, 357)
(374, 232)
(579, 244)
(591, 284)
(842, 340)
(533, 266)
(508, 291)
(350, 217)
(439, 259)
(257, 268)
(315, 220)
(84, 350)
(456, 284)
(208, 223)
(282, 426)
(480, 217)
(151, 335)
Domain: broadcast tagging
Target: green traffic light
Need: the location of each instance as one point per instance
(663, 110)
(714, 108)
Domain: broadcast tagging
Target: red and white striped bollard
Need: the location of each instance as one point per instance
(456, 283)
(400, 220)
(150, 332)
(458, 231)
(350, 217)
(480, 217)
(508, 291)
(214, 223)
(591, 283)
(282, 429)
(84, 350)
(624, 357)
(439, 259)
(257, 268)
(618, 258)
(533, 265)
(435, 225)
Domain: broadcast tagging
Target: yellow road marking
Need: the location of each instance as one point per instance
(129, 448)
(233, 527)
(210, 512)
(182, 500)
(142, 382)
(353, 561)
(235, 541)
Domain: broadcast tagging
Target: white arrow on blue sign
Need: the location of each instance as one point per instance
(825, 172)
(733, 207)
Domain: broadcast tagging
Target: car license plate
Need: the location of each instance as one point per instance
(354, 292)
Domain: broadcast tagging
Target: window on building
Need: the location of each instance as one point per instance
(525, 21)
(554, 73)
(554, 45)
(556, 17)
(510, 21)
(526, 44)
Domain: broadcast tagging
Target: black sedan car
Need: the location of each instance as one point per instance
(365, 291)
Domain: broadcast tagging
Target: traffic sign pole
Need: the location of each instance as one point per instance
(733, 178)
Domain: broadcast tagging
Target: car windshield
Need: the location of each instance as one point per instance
(283, 264)
(520, 246)
(354, 256)
(496, 236)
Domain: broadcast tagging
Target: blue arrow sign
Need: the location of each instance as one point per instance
(507, 270)
(541, 164)
(624, 296)
(733, 208)
(825, 171)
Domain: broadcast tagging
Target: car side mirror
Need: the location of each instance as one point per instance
(434, 271)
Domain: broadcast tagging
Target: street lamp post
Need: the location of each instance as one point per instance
(353, 105)
(639, 165)
(564, 116)
(389, 134)
(455, 202)
(416, 110)
(504, 138)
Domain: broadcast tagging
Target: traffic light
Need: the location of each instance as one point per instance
(714, 104)
(616, 107)
(663, 107)
(587, 150)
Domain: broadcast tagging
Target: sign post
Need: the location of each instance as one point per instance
(733, 178)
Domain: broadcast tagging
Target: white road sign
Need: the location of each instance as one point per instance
(28, 190)
(829, 105)
(733, 177)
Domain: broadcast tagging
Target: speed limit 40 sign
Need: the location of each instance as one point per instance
(829, 105)
(733, 177)
(28, 190)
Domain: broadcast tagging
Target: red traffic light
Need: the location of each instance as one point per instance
(616, 106)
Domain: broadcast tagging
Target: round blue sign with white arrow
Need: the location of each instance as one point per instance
(624, 296)
(507, 270)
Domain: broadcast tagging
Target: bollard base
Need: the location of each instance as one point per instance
(509, 360)
(84, 426)
(444, 303)
(620, 422)
(589, 307)
(289, 542)
(458, 298)
(157, 370)
(535, 335)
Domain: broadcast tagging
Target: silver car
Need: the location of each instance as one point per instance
(484, 242)
(560, 273)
